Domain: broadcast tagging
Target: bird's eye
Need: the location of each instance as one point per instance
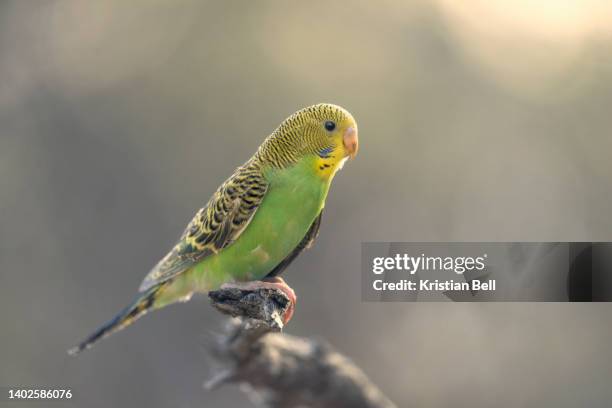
(330, 126)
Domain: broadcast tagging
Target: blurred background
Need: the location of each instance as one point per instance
(479, 121)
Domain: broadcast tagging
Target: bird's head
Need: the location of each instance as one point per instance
(323, 133)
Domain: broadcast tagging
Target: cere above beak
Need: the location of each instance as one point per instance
(351, 142)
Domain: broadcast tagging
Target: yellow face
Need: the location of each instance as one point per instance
(332, 131)
(324, 134)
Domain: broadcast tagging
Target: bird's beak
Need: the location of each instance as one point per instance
(351, 142)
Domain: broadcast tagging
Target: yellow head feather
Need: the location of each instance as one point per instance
(326, 132)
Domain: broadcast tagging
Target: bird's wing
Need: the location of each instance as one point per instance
(215, 226)
(306, 243)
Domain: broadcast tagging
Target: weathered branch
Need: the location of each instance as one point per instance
(282, 371)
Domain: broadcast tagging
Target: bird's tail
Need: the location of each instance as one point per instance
(127, 316)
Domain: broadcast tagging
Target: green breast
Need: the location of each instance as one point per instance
(294, 199)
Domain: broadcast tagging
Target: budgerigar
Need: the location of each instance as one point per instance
(258, 221)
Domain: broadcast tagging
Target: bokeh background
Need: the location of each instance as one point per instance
(479, 120)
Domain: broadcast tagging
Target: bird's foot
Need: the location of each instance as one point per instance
(279, 283)
(275, 282)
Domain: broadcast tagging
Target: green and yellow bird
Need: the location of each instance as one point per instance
(258, 221)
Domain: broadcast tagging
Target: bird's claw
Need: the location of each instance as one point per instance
(276, 283)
